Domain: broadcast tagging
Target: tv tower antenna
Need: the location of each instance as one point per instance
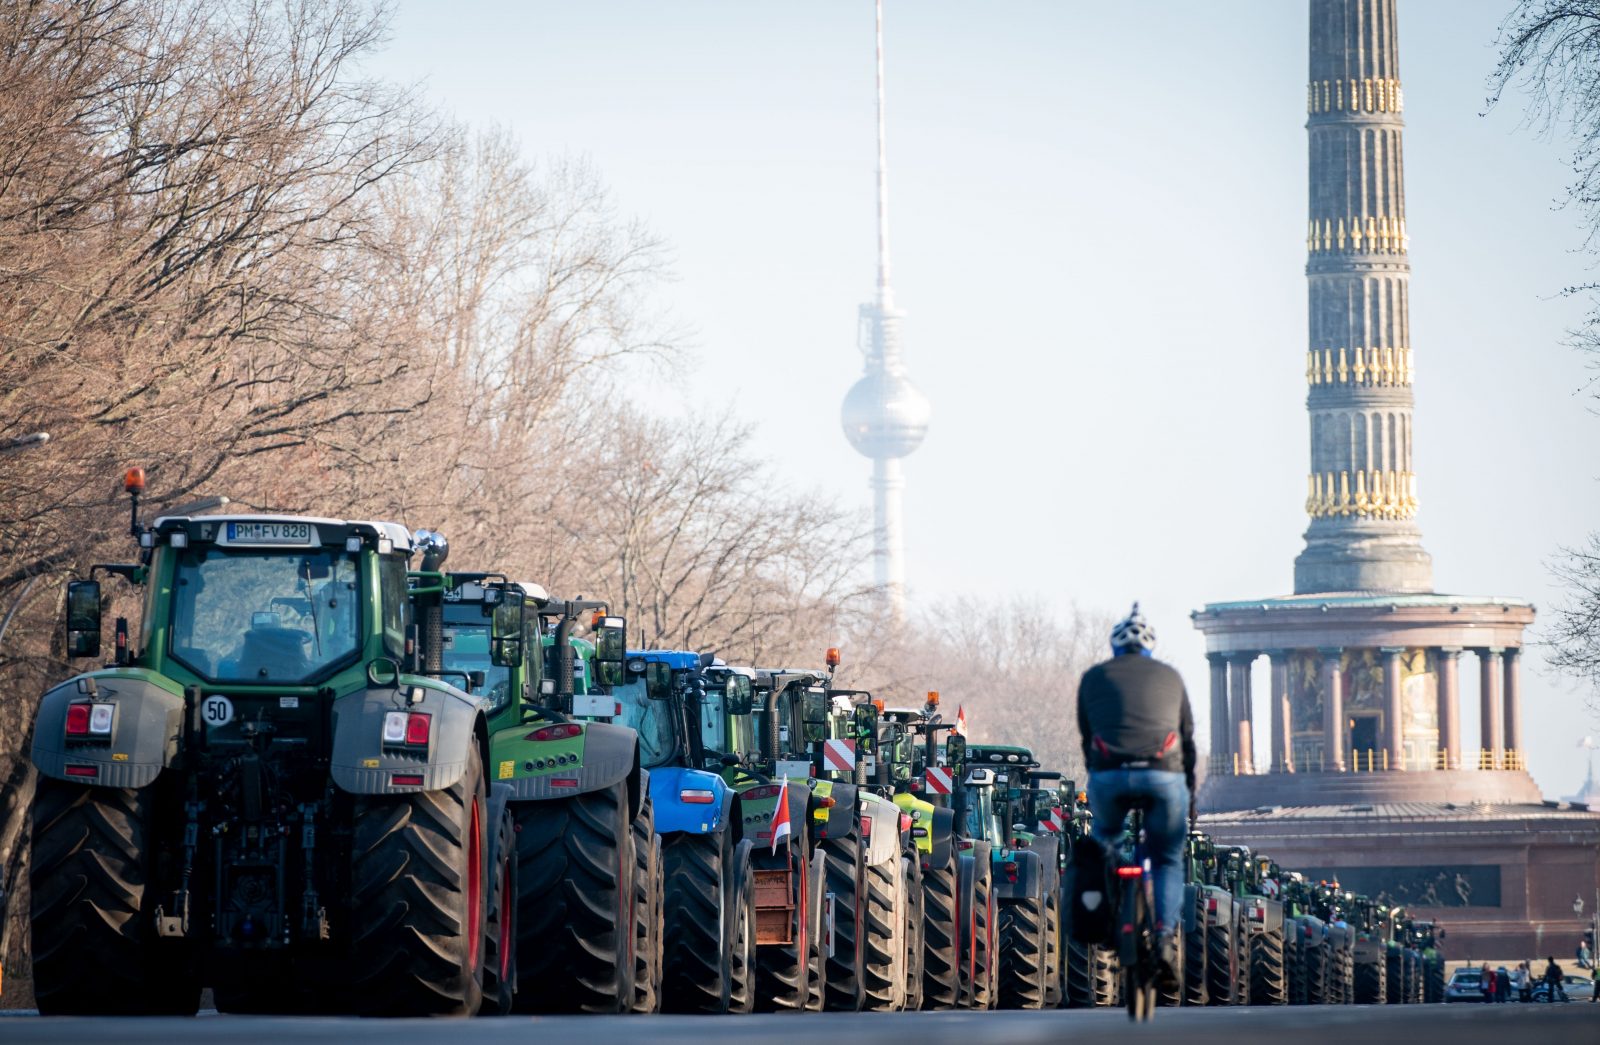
(884, 416)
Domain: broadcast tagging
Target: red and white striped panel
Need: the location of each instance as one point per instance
(839, 755)
(940, 780)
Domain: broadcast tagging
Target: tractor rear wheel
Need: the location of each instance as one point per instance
(1432, 980)
(911, 885)
(1171, 999)
(1052, 948)
(1394, 973)
(883, 938)
(575, 932)
(1022, 957)
(500, 927)
(1194, 956)
(985, 971)
(844, 990)
(1371, 982)
(1107, 977)
(1297, 977)
(941, 932)
(95, 951)
(1267, 985)
(697, 959)
(1219, 964)
(740, 911)
(419, 899)
(647, 895)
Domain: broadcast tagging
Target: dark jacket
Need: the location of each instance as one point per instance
(1134, 708)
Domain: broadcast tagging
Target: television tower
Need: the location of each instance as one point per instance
(884, 416)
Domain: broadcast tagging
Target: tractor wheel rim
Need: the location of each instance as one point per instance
(474, 888)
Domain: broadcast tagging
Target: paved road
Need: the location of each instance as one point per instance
(1410, 1025)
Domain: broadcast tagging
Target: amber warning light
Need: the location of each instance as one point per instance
(133, 480)
(833, 656)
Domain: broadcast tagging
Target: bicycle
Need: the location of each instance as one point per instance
(1136, 925)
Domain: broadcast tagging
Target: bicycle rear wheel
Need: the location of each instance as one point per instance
(1137, 950)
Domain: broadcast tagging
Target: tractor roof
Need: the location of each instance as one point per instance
(269, 531)
(1002, 753)
(678, 660)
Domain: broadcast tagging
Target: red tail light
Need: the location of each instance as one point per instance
(88, 771)
(697, 797)
(1211, 904)
(866, 826)
(559, 731)
(405, 780)
(417, 727)
(77, 720)
(1134, 872)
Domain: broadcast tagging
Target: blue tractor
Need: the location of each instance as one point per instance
(683, 709)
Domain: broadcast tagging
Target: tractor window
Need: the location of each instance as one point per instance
(714, 720)
(270, 618)
(396, 605)
(652, 719)
(981, 822)
(742, 729)
(785, 709)
(466, 648)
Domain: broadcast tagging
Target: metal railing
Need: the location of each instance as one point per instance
(1365, 760)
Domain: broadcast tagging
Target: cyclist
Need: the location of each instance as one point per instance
(1138, 744)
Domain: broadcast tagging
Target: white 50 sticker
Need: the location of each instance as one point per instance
(217, 710)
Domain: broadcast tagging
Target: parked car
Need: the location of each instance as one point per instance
(1465, 985)
(1576, 988)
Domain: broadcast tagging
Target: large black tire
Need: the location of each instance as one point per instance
(575, 936)
(1077, 975)
(911, 885)
(1394, 977)
(1296, 975)
(784, 971)
(648, 911)
(95, 951)
(741, 914)
(500, 927)
(1220, 964)
(1413, 978)
(1267, 986)
(1107, 973)
(1171, 998)
(420, 898)
(1432, 980)
(1022, 954)
(697, 959)
(1371, 982)
(941, 933)
(1053, 942)
(845, 988)
(1194, 957)
(981, 991)
(883, 938)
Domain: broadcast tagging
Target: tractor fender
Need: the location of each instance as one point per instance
(1047, 847)
(362, 765)
(840, 820)
(609, 755)
(1027, 884)
(145, 729)
(1190, 892)
(667, 785)
(882, 845)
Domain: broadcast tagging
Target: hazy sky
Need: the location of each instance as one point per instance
(1098, 216)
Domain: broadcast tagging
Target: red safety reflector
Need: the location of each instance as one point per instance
(77, 720)
(964, 843)
(405, 780)
(1010, 866)
(698, 798)
(866, 826)
(417, 725)
(563, 781)
(559, 731)
(90, 771)
(1211, 904)
(905, 821)
(1133, 872)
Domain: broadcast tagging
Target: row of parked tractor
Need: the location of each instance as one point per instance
(326, 773)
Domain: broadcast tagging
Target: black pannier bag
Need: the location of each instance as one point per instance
(1091, 901)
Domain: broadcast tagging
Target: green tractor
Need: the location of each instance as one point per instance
(1426, 938)
(587, 861)
(1374, 940)
(1025, 871)
(1260, 926)
(1332, 905)
(909, 747)
(266, 791)
(1227, 981)
(1404, 960)
(1308, 954)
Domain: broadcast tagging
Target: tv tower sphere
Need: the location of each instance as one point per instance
(884, 416)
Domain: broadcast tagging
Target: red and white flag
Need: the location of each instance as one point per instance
(961, 721)
(780, 818)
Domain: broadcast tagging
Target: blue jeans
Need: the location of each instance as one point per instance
(1166, 825)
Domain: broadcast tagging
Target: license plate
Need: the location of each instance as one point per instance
(269, 533)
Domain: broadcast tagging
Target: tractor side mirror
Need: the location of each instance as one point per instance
(657, 680)
(505, 628)
(83, 619)
(610, 651)
(955, 749)
(475, 680)
(741, 697)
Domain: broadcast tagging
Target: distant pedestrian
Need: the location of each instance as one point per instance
(1486, 978)
(1552, 979)
(1519, 981)
(1583, 955)
(1594, 982)
(1502, 985)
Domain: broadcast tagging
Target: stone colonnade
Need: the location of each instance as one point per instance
(1232, 710)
